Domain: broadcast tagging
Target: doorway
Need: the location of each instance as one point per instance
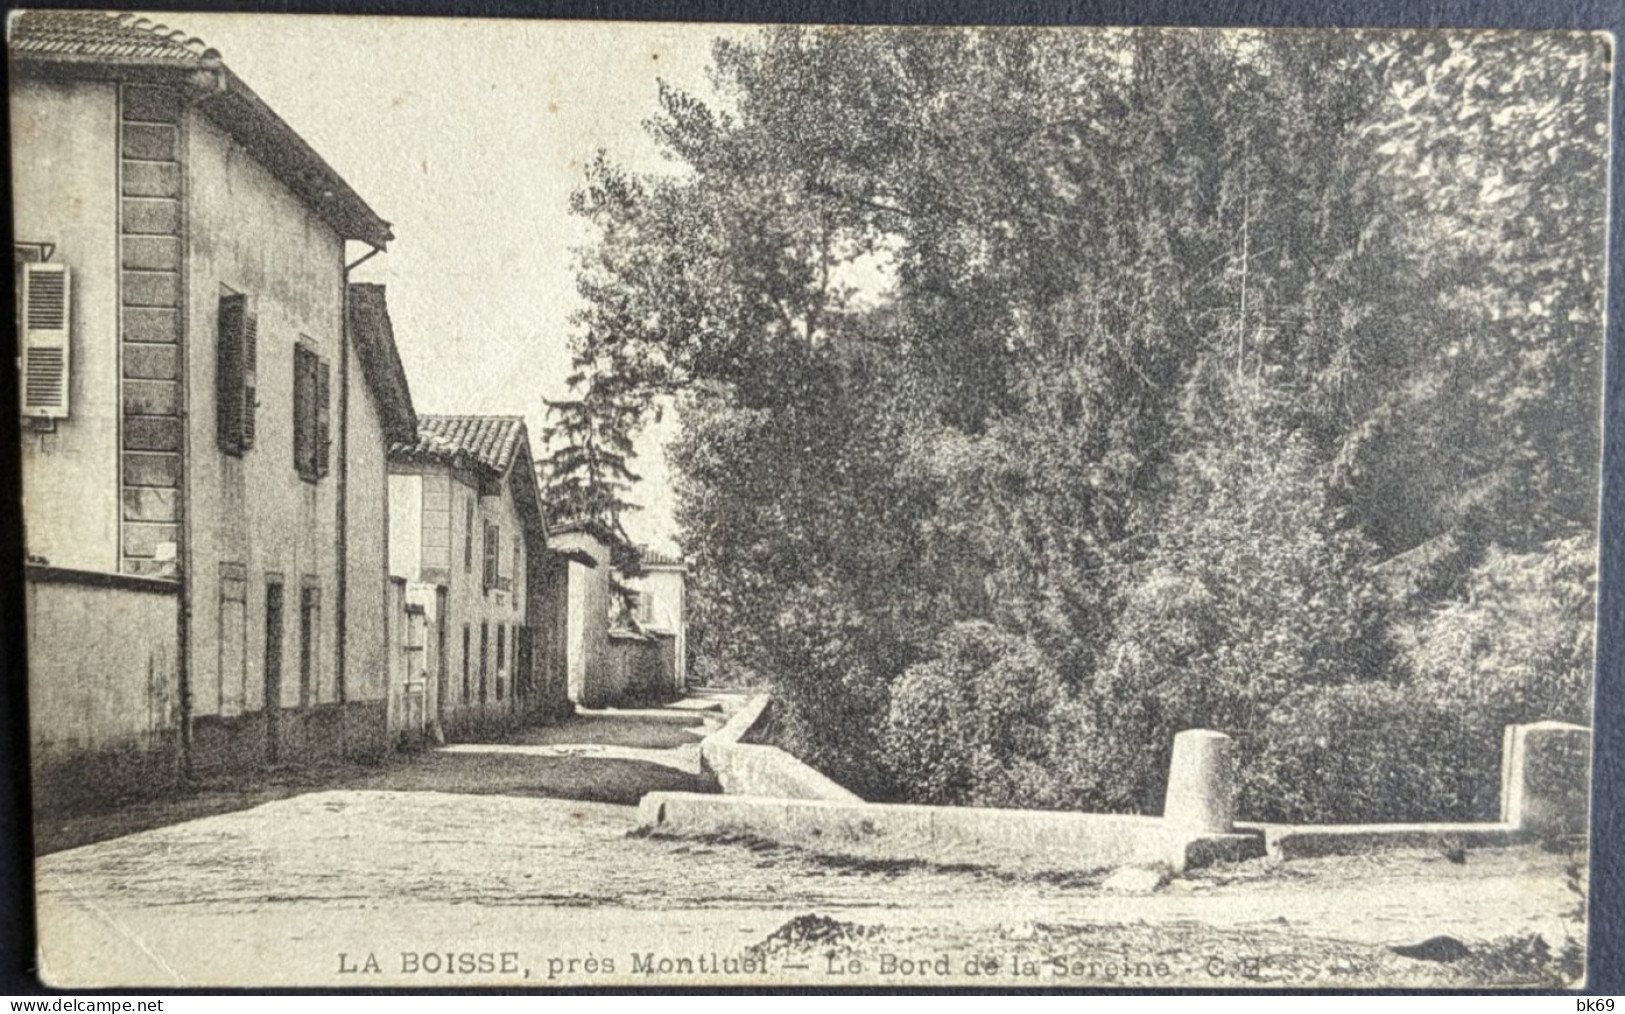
(273, 668)
(442, 670)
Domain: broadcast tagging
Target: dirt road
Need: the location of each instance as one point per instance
(435, 874)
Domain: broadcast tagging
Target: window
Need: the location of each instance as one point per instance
(468, 689)
(644, 609)
(236, 365)
(514, 575)
(311, 395)
(468, 535)
(493, 550)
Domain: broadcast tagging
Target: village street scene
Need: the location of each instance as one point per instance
(531, 504)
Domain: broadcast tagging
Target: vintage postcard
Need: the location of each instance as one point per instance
(555, 504)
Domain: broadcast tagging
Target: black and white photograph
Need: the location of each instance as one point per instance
(558, 504)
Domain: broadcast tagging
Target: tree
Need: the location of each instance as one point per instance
(1199, 370)
(586, 474)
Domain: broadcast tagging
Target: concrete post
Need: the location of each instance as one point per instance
(1202, 782)
(1546, 778)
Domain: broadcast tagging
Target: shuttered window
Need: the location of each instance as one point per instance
(304, 410)
(45, 343)
(231, 374)
(250, 379)
(468, 536)
(324, 438)
(311, 394)
(493, 551)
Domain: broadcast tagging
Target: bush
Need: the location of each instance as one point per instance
(1520, 647)
(1517, 649)
(1369, 753)
(989, 722)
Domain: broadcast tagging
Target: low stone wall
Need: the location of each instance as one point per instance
(631, 673)
(321, 734)
(1307, 841)
(749, 769)
(1070, 841)
(772, 795)
(1545, 777)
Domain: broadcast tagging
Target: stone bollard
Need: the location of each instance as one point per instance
(1546, 778)
(1202, 782)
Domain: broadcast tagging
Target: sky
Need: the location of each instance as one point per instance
(469, 136)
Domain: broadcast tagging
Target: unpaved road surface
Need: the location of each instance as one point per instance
(422, 877)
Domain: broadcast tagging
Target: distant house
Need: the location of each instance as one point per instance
(204, 437)
(465, 526)
(661, 607)
(617, 656)
(588, 608)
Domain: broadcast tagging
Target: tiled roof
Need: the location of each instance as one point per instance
(487, 440)
(104, 36)
(655, 558)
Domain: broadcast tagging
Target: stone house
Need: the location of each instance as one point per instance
(660, 608)
(618, 656)
(204, 438)
(588, 607)
(465, 527)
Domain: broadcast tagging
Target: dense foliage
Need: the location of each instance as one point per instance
(1045, 393)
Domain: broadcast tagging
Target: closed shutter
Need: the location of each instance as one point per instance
(45, 344)
(323, 426)
(250, 383)
(228, 372)
(492, 540)
(304, 412)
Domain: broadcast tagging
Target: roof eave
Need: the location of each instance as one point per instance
(664, 568)
(309, 175)
(373, 335)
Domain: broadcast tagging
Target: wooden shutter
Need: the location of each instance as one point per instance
(228, 372)
(45, 344)
(323, 420)
(250, 384)
(492, 540)
(304, 412)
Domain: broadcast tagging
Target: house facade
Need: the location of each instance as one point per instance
(587, 610)
(204, 459)
(465, 527)
(661, 608)
(625, 638)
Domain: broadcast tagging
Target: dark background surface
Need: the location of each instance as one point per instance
(1607, 949)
